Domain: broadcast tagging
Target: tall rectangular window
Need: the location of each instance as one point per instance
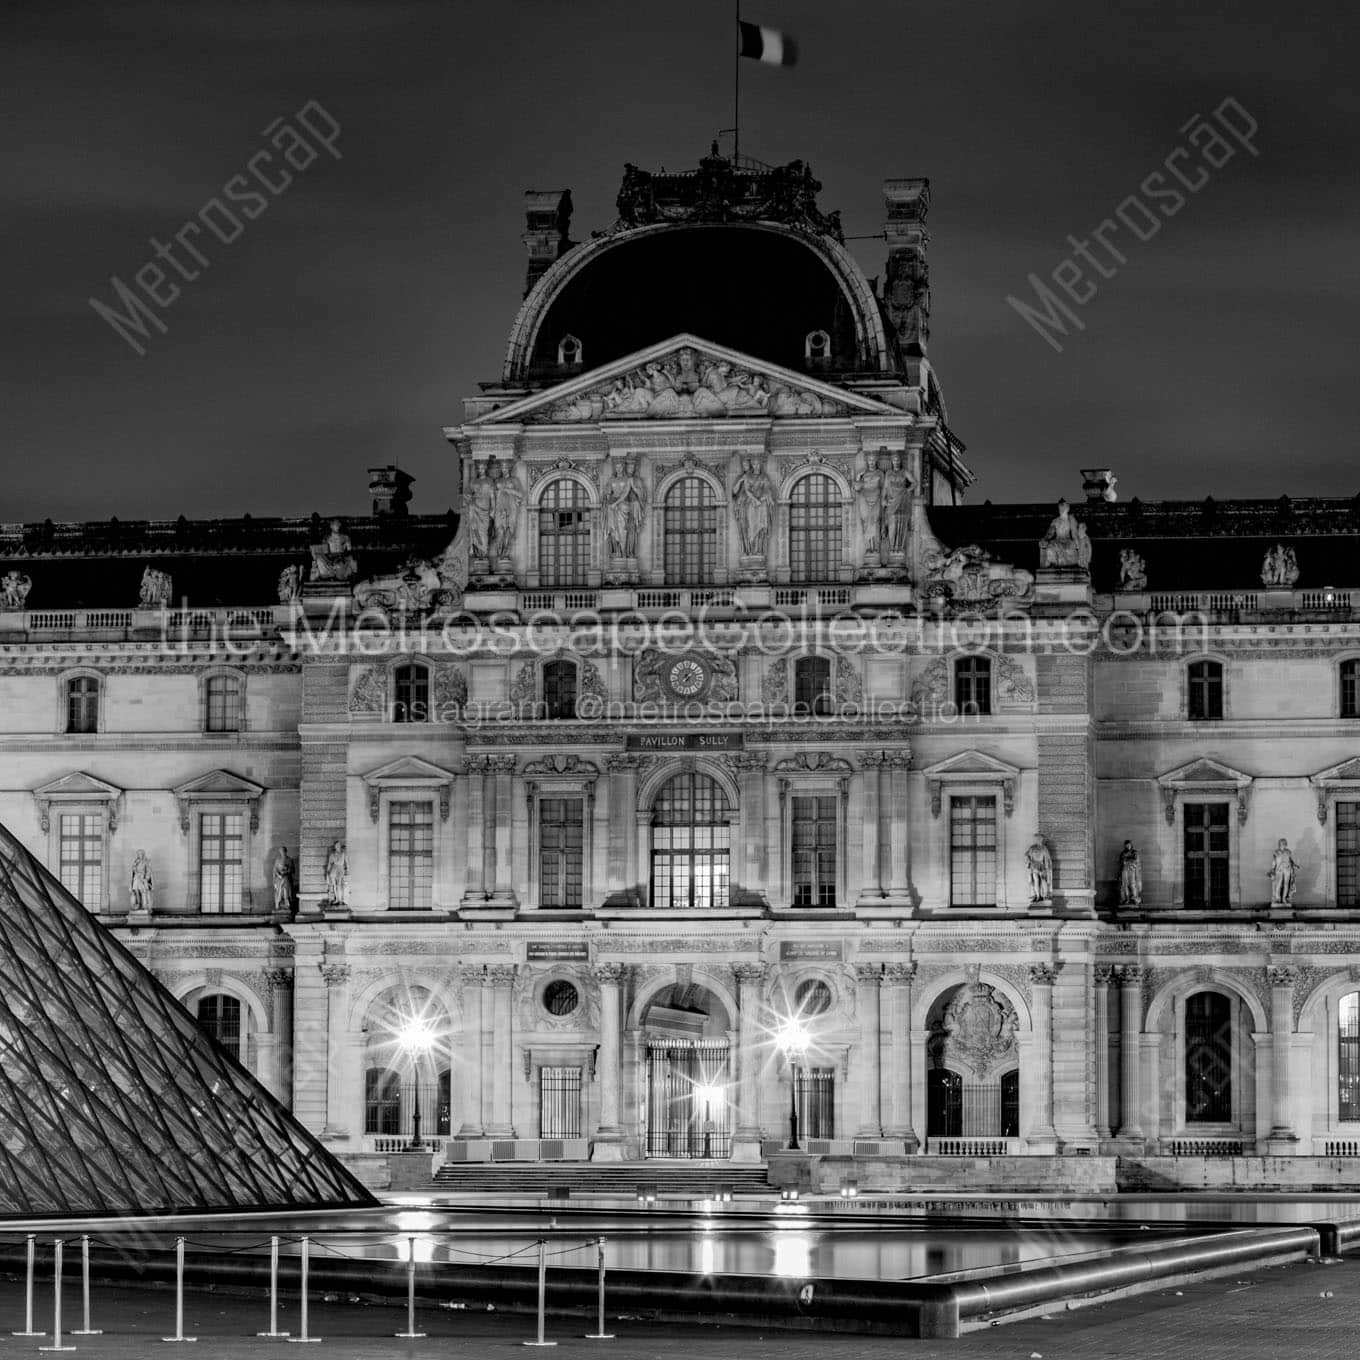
(561, 844)
(972, 852)
(220, 861)
(1348, 1057)
(1206, 854)
(1350, 689)
(559, 690)
(817, 1102)
(411, 694)
(1206, 690)
(814, 529)
(691, 533)
(82, 704)
(410, 856)
(559, 1092)
(1347, 854)
(973, 685)
(222, 697)
(814, 852)
(812, 687)
(563, 534)
(81, 857)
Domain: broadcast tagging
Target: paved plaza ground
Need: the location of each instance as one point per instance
(1267, 1313)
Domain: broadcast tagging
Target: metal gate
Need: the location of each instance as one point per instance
(687, 1107)
(559, 1091)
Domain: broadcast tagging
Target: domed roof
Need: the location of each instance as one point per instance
(738, 256)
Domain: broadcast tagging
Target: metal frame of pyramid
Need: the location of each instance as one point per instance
(112, 1099)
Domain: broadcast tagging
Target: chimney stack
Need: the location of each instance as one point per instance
(390, 488)
(906, 283)
(547, 220)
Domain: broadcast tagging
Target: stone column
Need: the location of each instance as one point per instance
(1040, 1135)
(746, 1138)
(472, 1084)
(277, 1073)
(475, 892)
(500, 830)
(898, 886)
(1130, 1050)
(750, 768)
(869, 842)
(609, 1136)
(336, 977)
(1283, 1140)
(869, 977)
(897, 977)
(502, 980)
(623, 781)
(1103, 973)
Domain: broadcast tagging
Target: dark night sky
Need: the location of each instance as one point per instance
(347, 323)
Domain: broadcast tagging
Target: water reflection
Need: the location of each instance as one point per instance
(793, 1255)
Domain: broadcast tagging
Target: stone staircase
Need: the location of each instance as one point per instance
(617, 1180)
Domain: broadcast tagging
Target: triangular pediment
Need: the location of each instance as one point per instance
(971, 765)
(1205, 770)
(685, 378)
(78, 785)
(408, 770)
(1347, 772)
(219, 784)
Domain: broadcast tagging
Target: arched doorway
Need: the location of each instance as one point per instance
(972, 1070)
(688, 1104)
(402, 1078)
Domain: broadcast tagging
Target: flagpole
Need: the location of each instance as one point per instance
(736, 87)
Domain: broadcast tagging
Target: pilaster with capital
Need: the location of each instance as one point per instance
(869, 981)
(609, 977)
(472, 981)
(475, 891)
(278, 1071)
(750, 769)
(1282, 1135)
(501, 979)
(1103, 974)
(1040, 1135)
(1130, 1050)
(500, 830)
(623, 769)
(336, 975)
(897, 980)
(746, 1138)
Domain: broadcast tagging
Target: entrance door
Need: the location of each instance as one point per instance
(687, 1111)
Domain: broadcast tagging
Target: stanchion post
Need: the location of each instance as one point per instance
(56, 1345)
(410, 1333)
(303, 1262)
(273, 1290)
(179, 1295)
(86, 1329)
(599, 1334)
(542, 1294)
(28, 1289)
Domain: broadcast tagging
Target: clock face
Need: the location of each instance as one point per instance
(686, 678)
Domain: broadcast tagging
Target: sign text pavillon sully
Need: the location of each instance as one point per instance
(686, 741)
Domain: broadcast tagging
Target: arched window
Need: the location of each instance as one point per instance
(411, 693)
(559, 689)
(220, 1018)
(812, 687)
(563, 534)
(82, 704)
(691, 533)
(1350, 689)
(814, 529)
(817, 349)
(813, 822)
(1208, 1059)
(222, 703)
(1348, 1057)
(1206, 690)
(973, 685)
(690, 844)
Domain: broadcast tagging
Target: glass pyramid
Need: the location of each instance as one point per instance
(112, 1100)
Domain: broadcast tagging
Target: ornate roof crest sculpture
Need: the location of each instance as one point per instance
(723, 191)
(969, 576)
(14, 588)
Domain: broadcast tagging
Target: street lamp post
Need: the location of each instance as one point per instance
(792, 1040)
(415, 1039)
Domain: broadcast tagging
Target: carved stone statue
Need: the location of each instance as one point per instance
(1065, 543)
(1132, 570)
(1283, 873)
(14, 588)
(156, 591)
(416, 588)
(290, 583)
(509, 499)
(625, 508)
(1130, 877)
(869, 504)
(282, 877)
(492, 510)
(892, 530)
(337, 875)
(142, 885)
(1280, 568)
(333, 557)
(753, 502)
(1039, 866)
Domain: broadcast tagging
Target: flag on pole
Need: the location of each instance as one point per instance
(765, 44)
